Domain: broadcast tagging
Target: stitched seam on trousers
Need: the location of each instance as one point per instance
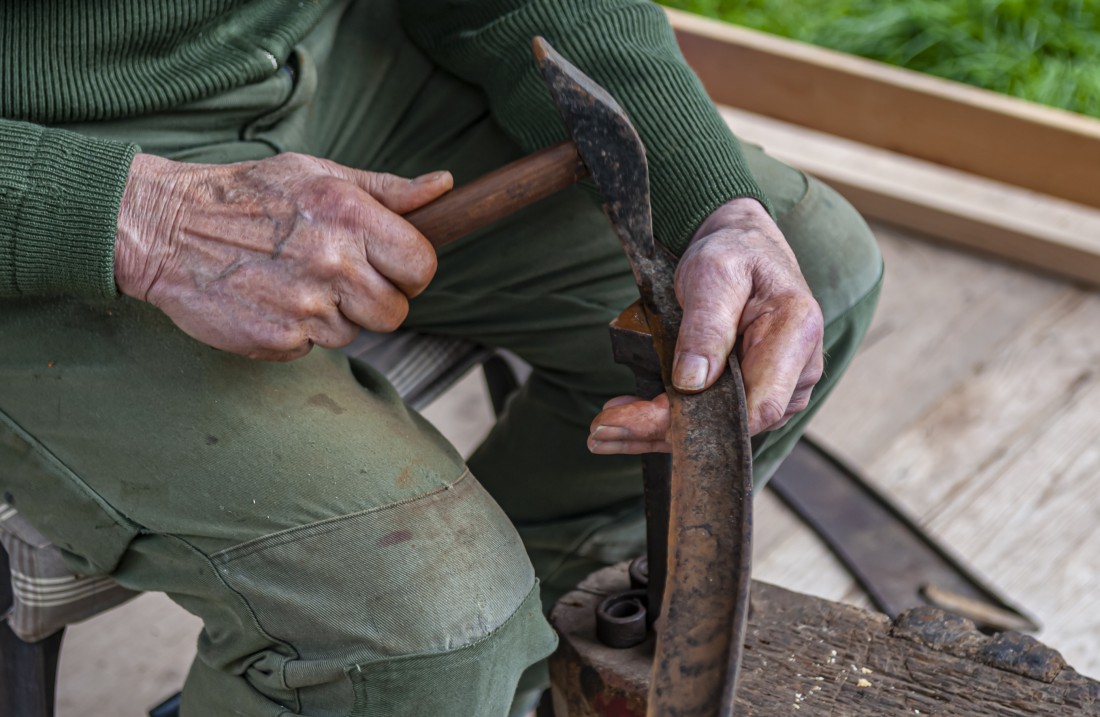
(70, 474)
(251, 613)
(811, 195)
(228, 555)
(397, 661)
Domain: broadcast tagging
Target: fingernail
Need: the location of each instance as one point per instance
(606, 447)
(689, 372)
(430, 177)
(609, 433)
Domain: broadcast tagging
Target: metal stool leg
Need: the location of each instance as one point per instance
(546, 705)
(28, 671)
(501, 380)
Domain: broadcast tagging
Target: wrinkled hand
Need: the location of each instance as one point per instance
(737, 277)
(268, 258)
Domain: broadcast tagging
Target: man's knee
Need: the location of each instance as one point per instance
(363, 603)
(836, 250)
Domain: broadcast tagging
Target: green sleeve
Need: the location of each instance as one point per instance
(59, 200)
(627, 46)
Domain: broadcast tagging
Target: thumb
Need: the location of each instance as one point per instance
(707, 335)
(401, 195)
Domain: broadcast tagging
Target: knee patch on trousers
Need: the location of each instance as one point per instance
(477, 680)
(410, 581)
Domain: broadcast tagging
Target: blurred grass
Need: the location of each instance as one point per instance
(1046, 51)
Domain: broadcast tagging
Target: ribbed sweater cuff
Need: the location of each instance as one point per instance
(690, 183)
(59, 201)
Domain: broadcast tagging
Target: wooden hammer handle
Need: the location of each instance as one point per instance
(499, 193)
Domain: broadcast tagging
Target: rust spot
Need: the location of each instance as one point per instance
(1009, 651)
(397, 536)
(937, 629)
(323, 400)
(1022, 654)
(619, 706)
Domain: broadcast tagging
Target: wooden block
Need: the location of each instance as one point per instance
(808, 656)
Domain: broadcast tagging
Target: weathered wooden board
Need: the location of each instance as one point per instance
(952, 124)
(808, 656)
(941, 317)
(1004, 469)
(1035, 229)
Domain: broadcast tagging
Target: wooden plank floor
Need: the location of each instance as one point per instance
(975, 402)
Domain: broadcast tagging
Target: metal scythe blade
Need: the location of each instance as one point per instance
(701, 632)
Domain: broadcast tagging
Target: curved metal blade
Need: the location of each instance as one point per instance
(608, 144)
(701, 632)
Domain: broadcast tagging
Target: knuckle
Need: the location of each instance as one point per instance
(814, 317)
(301, 304)
(347, 334)
(330, 336)
(807, 316)
(296, 162)
(393, 316)
(338, 197)
(286, 340)
(711, 333)
(798, 404)
(277, 345)
(425, 264)
(308, 304)
(770, 411)
(382, 182)
(293, 158)
(328, 259)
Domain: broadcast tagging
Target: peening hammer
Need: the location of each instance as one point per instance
(513, 186)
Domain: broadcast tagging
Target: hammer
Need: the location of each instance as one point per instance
(508, 189)
(705, 602)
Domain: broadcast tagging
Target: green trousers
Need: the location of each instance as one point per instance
(343, 557)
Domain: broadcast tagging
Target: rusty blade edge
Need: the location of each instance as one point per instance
(701, 637)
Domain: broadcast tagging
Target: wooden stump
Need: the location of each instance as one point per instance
(806, 656)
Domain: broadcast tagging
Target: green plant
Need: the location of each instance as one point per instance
(1045, 51)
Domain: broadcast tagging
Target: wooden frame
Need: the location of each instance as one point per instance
(976, 131)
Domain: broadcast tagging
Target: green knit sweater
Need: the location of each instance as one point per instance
(73, 60)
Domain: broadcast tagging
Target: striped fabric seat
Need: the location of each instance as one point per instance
(47, 597)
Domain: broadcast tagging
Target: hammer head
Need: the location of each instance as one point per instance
(608, 145)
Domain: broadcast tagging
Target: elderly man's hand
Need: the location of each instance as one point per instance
(267, 258)
(737, 277)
